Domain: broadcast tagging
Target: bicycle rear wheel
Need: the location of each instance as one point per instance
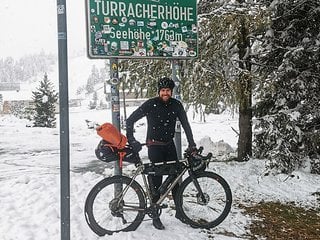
(209, 208)
(106, 213)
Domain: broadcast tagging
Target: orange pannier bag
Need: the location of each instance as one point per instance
(113, 137)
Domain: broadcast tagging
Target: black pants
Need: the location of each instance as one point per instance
(161, 153)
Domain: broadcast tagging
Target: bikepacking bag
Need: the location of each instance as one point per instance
(112, 147)
(163, 168)
(112, 135)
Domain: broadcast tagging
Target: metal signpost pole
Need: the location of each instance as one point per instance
(176, 94)
(64, 120)
(115, 102)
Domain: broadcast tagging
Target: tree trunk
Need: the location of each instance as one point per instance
(245, 119)
(245, 95)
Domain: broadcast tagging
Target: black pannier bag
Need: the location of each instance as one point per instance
(106, 153)
(130, 156)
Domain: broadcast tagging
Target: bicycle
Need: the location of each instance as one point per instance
(119, 203)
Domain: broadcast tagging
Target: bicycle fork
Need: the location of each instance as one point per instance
(201, 196)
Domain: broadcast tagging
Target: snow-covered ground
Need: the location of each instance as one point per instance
(30, 180)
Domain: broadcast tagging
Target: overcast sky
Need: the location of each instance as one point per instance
(28, 26)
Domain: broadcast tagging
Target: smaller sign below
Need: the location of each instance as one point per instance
(142, 29)
(115, 108)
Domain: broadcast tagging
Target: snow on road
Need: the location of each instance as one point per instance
(30, 180)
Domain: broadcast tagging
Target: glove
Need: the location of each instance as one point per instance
(135, 145)
(192, 149)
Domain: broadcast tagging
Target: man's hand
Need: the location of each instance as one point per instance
(192, 149)
(135, 145)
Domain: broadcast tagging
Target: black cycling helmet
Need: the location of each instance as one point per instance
(165, 82)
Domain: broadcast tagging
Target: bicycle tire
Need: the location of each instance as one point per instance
(99, 215)
(207, 213)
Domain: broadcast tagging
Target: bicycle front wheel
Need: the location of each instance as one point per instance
(115, 204)
(205, 201)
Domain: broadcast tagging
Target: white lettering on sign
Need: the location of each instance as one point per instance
(139, 34)
(130, 34)
(121, 9)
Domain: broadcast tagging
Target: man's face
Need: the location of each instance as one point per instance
(165, 94)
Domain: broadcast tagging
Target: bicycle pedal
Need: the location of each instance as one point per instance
(164, 205)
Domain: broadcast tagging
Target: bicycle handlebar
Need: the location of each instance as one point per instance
(209, 156)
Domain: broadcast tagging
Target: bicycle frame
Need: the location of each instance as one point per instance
(146, 185)
(163, 196)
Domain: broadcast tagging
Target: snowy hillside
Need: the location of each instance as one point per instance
(79, 71)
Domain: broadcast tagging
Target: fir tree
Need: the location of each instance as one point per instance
(45, 99)
(288, 119)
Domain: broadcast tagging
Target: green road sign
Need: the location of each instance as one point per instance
(142, 28)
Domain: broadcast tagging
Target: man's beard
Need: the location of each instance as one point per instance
(165, 98)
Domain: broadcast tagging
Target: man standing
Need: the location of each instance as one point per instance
(161, 113)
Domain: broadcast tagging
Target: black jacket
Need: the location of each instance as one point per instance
(161, 118)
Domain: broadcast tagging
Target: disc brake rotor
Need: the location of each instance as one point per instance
(203, 200)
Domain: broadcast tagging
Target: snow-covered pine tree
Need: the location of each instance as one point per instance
(139, 75)
(45, 99)
(225, 71)
(288, 118)
(94, 78)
